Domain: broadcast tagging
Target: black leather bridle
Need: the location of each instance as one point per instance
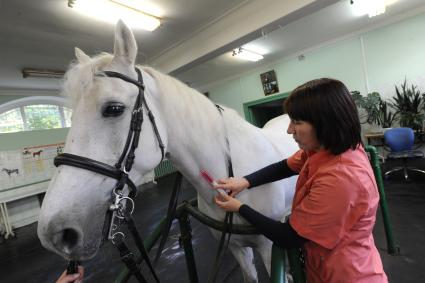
(118, 171)
(117, 211)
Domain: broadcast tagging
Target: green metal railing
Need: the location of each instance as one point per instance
(392, 249)
(187, 209)
(279, 256)
(164, 168)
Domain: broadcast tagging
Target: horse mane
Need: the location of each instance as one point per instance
(206, 123)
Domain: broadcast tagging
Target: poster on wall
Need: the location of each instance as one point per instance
(269, 82)
(28, 165)
(11, 168)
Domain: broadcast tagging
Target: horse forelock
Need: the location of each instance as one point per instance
(80, 76)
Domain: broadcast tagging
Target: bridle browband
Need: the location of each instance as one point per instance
(117, 212)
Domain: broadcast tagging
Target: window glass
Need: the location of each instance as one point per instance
(42, 116)
(34, 113)
(68, 114)
(11, 121)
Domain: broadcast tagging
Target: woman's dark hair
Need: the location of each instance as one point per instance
(328, 106)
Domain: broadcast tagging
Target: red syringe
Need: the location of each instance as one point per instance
(210, 180)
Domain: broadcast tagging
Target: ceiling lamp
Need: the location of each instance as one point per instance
(371, 7)
(130, 11)
(246, 55)
(42, 73)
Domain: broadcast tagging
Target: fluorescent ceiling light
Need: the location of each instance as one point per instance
(246, 55)
(42, 73)
(113, 10)
(370, 7)
(143, 6)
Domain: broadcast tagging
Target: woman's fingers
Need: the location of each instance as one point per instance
(218, 201)
(76, 278)
(224, 180)
(65, 278)
(221, 200)
(227, 203)
(223, 184)
(81, 272)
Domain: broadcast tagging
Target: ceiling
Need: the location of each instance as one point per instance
(193, 42)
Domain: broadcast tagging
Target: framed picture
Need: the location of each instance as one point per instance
(269, 81)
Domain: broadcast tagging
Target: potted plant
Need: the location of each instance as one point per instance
(373, 110)
(386, 117)
(409, 105)
(367, 106)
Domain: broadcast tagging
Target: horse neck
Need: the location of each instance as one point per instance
(195, 133)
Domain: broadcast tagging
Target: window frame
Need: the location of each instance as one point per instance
(36, 100)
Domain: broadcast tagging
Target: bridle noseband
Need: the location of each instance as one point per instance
(121, 169)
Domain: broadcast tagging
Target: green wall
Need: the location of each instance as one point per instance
(7, 98)
(11, 141)
(391, 53)
(395, 52)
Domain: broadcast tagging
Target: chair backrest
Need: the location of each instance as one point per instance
(399, 139)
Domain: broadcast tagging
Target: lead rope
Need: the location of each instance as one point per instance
(228, 220)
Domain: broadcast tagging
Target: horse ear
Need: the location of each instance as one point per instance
(81, 56)
(125, 47)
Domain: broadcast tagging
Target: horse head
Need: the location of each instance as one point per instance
(73, 212)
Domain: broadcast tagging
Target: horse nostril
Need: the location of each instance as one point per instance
(69, 238)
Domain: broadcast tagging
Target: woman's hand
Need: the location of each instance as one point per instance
(234, 185)
(227, 203)
(76, 277)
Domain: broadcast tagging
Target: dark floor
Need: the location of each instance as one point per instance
(24, 260)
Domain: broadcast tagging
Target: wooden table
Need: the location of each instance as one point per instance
(375, 136)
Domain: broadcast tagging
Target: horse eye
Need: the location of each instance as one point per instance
(113, 109)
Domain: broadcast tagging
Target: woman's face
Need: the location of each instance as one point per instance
(304, 134)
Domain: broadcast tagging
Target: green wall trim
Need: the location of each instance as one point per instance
(248, 106)
(266, 99)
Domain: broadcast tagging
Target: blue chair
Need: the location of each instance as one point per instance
(400, 141)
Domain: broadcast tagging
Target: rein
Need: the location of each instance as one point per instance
(118, 212)
(171, 215)
(228, 221)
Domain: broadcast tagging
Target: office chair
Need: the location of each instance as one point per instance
(400, 141)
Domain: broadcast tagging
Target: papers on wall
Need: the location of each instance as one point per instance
(28, 165)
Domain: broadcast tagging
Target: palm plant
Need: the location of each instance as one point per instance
(386, 117)
(409, 105)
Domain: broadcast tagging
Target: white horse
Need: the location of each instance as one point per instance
(195, 135)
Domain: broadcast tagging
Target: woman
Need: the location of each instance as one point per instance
(336, 197)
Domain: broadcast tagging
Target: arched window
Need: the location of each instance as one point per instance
(34, 113)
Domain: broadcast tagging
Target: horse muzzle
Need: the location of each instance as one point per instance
(69, 241)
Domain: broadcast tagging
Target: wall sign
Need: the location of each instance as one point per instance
(269, 81)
